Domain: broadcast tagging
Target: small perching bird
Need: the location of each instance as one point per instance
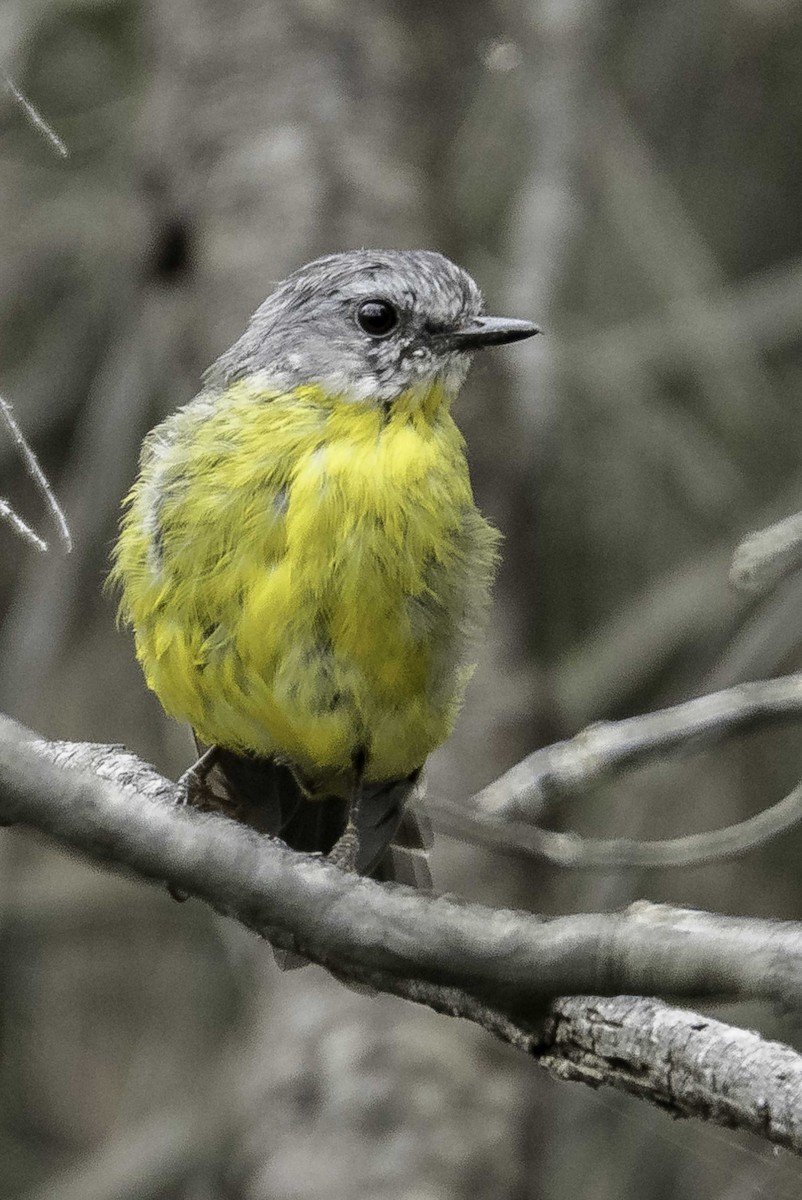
(301, 558)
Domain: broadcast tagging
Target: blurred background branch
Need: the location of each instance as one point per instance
(39, 480)
(765, 557)
(36, 119)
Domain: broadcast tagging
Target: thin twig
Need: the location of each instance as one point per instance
(567, 768)
(36, 119)
(37, 475)
(16, 522)
(571, 850)
(764, 558)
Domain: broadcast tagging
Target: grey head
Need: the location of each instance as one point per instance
(367, 325)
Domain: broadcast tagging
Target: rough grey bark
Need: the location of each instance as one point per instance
(499, 968)
(689, 1064)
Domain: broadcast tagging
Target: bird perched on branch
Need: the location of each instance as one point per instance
(301, 559)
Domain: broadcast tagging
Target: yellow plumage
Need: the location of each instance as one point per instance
(304, 575)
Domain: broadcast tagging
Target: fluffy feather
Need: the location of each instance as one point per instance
(305, 575)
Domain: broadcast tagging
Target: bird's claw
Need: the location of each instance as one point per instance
(345, 851)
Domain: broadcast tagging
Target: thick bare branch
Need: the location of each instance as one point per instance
(499, 968)
(690, 1064)
(438, 950)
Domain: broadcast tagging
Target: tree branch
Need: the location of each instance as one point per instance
(689, 1064)
(35, 117)
(497, 967)
(763, 558)
(472, 824)
(502, 814)
(572, 766)
(39, 479)
(8, 514)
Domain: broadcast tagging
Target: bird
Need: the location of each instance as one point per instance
(302, 561)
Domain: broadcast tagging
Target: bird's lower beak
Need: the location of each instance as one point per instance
(489, 331)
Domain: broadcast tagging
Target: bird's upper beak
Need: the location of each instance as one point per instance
(488, 331)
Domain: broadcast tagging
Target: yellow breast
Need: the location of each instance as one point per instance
(304, 575)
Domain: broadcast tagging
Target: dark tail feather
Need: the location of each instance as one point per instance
(407, 857)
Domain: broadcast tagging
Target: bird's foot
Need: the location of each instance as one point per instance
(206, 789)
(345, 850)
(193, 782)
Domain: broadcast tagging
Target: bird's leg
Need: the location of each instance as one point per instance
(345, 850)
(193, 781)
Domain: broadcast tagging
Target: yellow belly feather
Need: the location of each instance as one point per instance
(304, 575)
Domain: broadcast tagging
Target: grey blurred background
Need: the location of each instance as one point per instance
(626, 173)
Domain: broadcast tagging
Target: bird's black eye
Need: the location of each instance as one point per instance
(377, 317)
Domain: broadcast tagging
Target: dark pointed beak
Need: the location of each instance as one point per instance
(488, 331)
